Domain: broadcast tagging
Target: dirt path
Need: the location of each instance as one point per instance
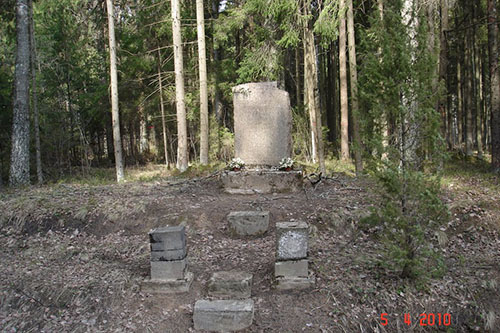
(72, 259)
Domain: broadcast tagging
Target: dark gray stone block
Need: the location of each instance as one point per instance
(168, 238)
(230, 285)
(168, 255)
(292, 240)
(223, 315)
(249, 223)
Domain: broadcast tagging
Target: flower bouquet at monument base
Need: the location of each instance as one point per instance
(236, 164)
(286, 164)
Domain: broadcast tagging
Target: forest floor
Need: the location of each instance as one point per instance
(72, 257)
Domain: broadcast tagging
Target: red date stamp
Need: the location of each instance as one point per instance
(424, 319)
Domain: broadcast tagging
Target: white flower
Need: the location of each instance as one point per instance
(286, 162)
(237, 163)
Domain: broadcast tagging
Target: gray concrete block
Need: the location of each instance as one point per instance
(248, 223)
(230, 285)
(168, 286)
(223, 315)
(168, 255)
(292, 239)
(291, 268)
(294, 283)
(168, 270)
(262, 123)
(261, 181)
(168, 238)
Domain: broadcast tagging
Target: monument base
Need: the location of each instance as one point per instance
(168, 286)
(294, 283)
(261, 181)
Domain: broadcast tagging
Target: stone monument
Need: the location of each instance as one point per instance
(262, 138)
(262, 123)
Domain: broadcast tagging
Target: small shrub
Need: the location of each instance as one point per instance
(409, 218)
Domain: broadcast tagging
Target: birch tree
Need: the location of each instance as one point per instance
(182, 144)
(114, 95)
(202, 60)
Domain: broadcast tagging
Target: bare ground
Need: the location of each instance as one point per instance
(72, 259)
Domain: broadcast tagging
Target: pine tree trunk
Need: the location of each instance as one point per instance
(344, 112)
(443, 69)
(182, 144)
(143, 132)
(310, 92)
(34, 98)
(20, 155)
(495, 84)
(162, 108)
(469, 128)
(202, 60)
(120, 176)
(354, 89)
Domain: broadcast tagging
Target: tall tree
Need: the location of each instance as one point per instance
(120, 176)
(494, 84)
(20, 157)
(344, 112)
(311, 97)
(354, 89)
(182, 144)
(34, 99)
(202, 60)
(162, 107)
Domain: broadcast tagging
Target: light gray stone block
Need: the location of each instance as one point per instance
(262, 123)
(223, 315)
(168, 270)
(168, 238)
(292, 240)
(291, 268)
(168, 286)
(230, 285)
(261, 181)
(249, 223)
(294, 283)
(168, 255)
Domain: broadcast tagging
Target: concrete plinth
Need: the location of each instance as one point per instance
(223, 315)
(168, 286)
(168, 270)
(261, 181)
(248, 223)
(294, 283)
(230, 285)
(291, 268)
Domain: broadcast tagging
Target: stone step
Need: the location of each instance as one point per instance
(223, 315)
(230, 285)
(249, 223)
